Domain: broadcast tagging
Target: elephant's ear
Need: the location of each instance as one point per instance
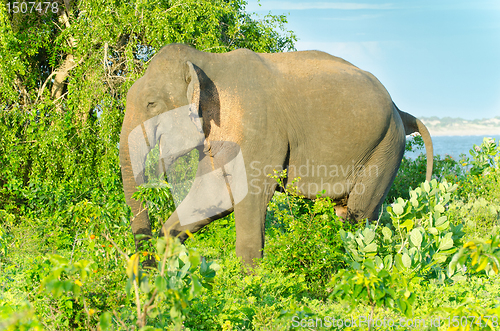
(203, 97)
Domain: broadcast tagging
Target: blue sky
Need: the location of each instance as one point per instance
(436, 58)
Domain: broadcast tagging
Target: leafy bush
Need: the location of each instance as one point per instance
(420, 239)
(374, 286)
(160, 296)
(18, 317)
(480, 217)
(485, 156)
(484, 185)
(305, 236)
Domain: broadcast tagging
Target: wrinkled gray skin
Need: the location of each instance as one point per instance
(295, 109)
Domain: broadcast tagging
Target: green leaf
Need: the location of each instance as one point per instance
(145, 285)
(439, 258)
(441, 220)
(378, 262)
(160, 283)
(449, 251)
(141, 236)
(370, 248)
(416, 237)
(369, 235)
(387, 233)
(433, 231)
(443, 226)
(406, 260)
(160, 246)
(399, 262)
(398, 209)
(408, 224)
(414, 202)
(445, 243)
(426, 186)
(388, 261)
(105, 321)
(439, 208)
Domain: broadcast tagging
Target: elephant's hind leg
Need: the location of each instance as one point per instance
(372, 186)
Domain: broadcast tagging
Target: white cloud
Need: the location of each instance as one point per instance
(288, 5)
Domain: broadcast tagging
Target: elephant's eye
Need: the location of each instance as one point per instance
(151, 105)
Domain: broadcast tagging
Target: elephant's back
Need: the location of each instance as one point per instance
(336, 112)
(307, 63)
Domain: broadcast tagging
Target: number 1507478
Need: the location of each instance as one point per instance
(30, 7)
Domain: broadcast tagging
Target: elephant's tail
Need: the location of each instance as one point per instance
(413, 124)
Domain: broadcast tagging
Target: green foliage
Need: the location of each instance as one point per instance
(163, 295)
(18, 317)
(159, 201)
(6, 220)
(484, 157)
(421, 244)
(483, 186)
(374, 286)
(270, 296)
(479, 217)
(420, 239)
(478, 255)
(309, 231)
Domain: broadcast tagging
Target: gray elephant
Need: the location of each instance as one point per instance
(325, 120)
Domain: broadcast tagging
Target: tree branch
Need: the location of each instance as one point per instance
(40, 91)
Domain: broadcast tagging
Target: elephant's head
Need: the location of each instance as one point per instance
(166, 105)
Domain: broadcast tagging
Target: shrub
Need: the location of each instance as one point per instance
(420, 240)
(304, 236)
(485, 156)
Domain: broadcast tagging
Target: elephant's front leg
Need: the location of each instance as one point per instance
(250, 217)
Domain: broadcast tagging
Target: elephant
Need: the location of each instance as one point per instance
(323, 119)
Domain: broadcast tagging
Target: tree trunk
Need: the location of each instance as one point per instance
(68, 64)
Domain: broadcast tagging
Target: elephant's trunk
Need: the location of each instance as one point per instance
(128, 155)
(413, 124)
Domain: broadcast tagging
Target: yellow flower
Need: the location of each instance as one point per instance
(91, 311)
(78, 282)
(133, 266)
